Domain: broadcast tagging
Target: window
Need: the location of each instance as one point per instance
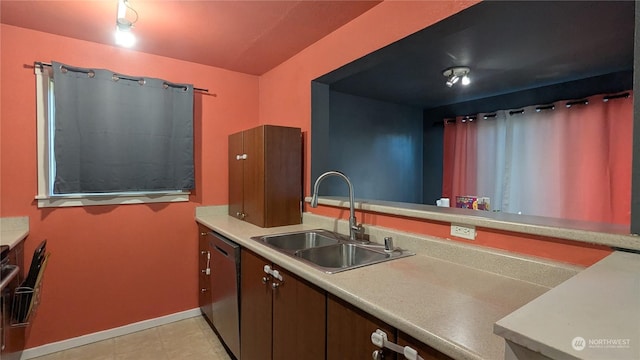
(106, 138)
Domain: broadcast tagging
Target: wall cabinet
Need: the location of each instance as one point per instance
(280, 319)
(265, 175)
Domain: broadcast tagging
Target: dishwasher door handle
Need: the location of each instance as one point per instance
(221, 250)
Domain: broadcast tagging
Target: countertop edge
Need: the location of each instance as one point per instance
(569, 302)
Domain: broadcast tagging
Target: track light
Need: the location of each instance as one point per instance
(124, 35)
(452, 80)
(454, 74)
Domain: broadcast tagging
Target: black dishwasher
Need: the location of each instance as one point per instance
(225, 290)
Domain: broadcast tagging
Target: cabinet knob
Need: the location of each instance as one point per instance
(265, 279)
(203, 290)
(241, 157)
(275, 285)
(378, 355)
(240, 215)
(203, 234)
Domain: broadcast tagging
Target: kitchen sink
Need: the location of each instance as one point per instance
(328, 251)
(342, 256)
(300, 240)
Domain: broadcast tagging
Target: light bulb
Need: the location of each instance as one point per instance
(125, 38)
(465, 80)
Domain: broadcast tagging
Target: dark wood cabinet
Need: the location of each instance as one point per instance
(424, 350)
(255, 308)
(299, 313)
(280, 319)
(349, 331)
(13, 337)
(204, 276)
(265, 175)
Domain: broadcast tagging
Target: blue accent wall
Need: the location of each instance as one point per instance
(377, 144)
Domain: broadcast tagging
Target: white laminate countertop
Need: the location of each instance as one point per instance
(13, 230)
(594, 315)
(449, 306)
(582, 231)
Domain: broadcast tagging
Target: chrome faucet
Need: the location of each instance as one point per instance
(354, 228)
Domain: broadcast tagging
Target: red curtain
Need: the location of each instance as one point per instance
(459, 175)
(570, 162)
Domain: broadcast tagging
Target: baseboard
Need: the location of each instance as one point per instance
(107, 334)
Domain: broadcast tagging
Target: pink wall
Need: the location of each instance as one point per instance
(285, 98)
(285, 91)
(113, 265)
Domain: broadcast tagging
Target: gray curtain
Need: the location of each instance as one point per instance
(116, 133)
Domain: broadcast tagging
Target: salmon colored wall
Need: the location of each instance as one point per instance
(285, 98)
(113, 265)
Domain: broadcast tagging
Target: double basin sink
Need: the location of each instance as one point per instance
(329, 251)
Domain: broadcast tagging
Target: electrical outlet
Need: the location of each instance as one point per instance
(467, 232)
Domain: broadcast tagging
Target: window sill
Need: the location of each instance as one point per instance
(93, 200)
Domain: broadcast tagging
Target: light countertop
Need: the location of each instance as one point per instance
(582, 231)
(451, 307)
(13, 230)
(594, 315)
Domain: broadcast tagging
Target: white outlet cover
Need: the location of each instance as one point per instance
(463, 231)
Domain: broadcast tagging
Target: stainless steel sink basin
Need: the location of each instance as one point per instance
(328, 251)
(342, 256)
(299, 240)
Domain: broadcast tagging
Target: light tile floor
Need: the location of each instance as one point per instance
(190, 339)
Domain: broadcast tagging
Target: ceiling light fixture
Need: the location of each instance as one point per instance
(454, 74)
(124, 35)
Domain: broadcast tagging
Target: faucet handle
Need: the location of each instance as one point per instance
(358, 229)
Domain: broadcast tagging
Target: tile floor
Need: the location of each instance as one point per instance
(190, 339)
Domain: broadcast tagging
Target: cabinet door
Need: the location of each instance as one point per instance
(255, 308)
(283, 175)
(13, 338)
(299, 313)
(235, 175)
(424, 350)
(349, 331)
(253, 181)
(204, 283)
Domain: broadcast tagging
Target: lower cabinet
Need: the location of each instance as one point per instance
(349, 332)
(12, 338)
(283, 317)
(280, 319)
(204, 276)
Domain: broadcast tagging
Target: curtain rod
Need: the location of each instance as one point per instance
(41, 64)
